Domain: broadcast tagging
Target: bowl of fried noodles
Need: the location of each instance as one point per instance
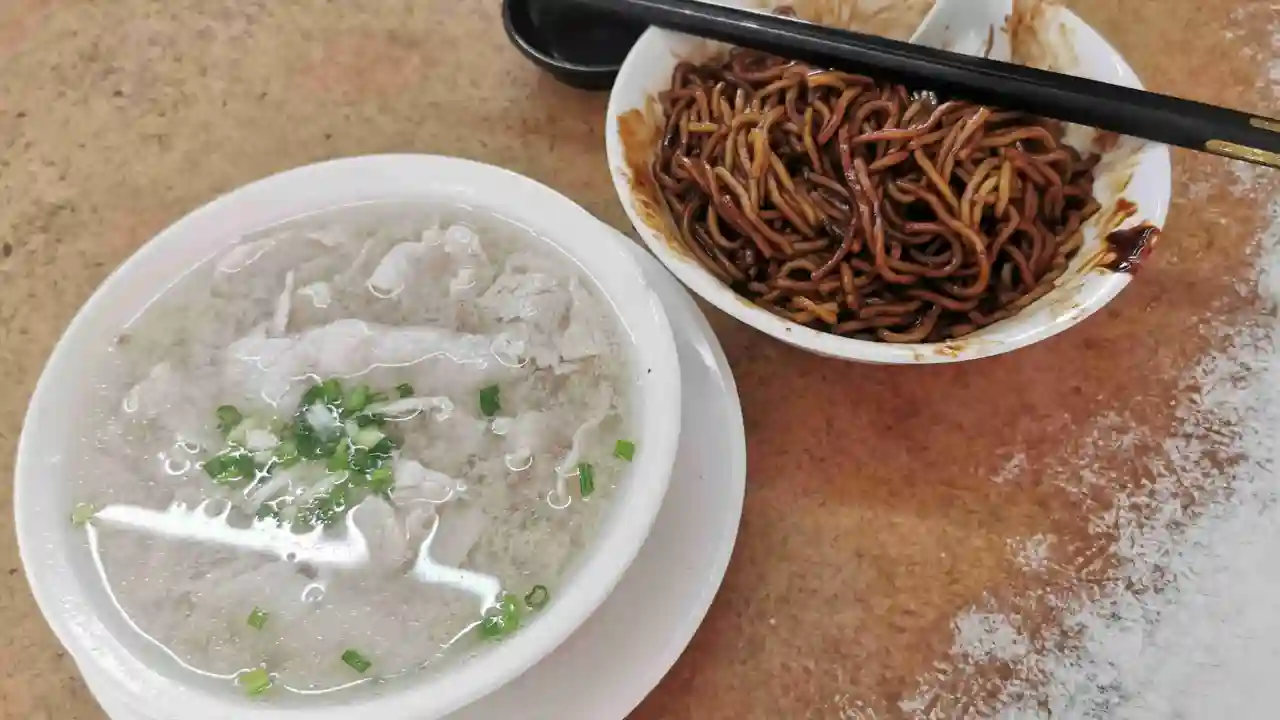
(861, 219)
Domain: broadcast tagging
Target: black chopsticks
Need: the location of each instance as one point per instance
(1162, 118)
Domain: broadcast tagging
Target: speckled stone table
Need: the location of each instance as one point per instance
(880, 501)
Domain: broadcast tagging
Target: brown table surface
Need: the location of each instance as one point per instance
(871, 518)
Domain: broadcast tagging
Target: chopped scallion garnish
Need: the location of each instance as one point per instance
(367, 437)
(228, 418)
(357, 399)
(233, 465)
(331, 390)
(255, 681)
(586, 479)
(286, 453)
(381, 481)
(333, 428)
(268, 511)
(358, 662)
(490, 404)
(325, 509)
(82, 513)
(537, 597)
(405, 390)
(313, 395)
(501, 619)
(383, 447)
(340, 459)
(257, 619)
(361, 461)
(625, 449)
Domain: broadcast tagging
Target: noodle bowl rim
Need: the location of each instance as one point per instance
(647, 70)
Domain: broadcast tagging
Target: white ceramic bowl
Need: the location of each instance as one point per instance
(1135, 171)
(56, 557)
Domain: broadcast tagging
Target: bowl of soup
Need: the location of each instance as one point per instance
(369, 436)
(861, 219)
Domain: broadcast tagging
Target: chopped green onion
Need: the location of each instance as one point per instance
(325, 509)
(381, 481)
(286, 453)
(217, 466)
(313, 395)
(257, 619)
(361, 461)
(358, 662)
(255, 681)
(490, 405)
(586, 479)
(328, 392)
(537, 597)
(625, 449)
(82, 513)
(332, 429)
(340, 459)
(308, 442)
(368, 437)
(228, 418)
(268, 511)
(405, 390)
(383, 447)
(232, 465)
(331, 391)
(501, 619)
(357, 399)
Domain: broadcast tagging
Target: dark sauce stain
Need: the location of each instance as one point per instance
(1122, 250)
(6, 250)
(579, 34)
(1130, 247)
(638, 145)
(638, 132)
(1117, 215)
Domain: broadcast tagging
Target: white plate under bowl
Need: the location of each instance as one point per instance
(58, 563)
(626, 647)
(1140, 173)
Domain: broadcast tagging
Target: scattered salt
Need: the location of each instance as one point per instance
(1186, 623)
(988, 636)
(1032, 554)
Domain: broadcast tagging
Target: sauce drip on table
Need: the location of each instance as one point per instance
(1131, 246)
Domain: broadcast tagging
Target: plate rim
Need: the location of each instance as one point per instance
(686, 316)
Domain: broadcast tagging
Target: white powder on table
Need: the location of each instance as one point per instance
(1175, 614)
(1186, 625)
(1033, 553)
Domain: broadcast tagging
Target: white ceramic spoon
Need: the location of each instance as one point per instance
(972, 27)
